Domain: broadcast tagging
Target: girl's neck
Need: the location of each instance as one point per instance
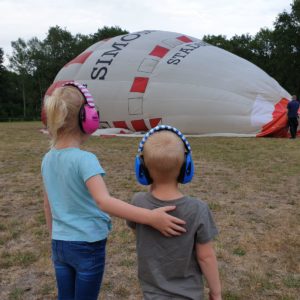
(166, 191)
(69, 142)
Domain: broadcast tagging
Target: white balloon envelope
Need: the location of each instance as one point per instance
(143, 79)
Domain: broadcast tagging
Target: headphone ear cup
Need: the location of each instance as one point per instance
(182, 171)
(88, 119)
(81, 117)
(141, 172)
(187, 170)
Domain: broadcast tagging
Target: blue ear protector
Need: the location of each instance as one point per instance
(187, 169)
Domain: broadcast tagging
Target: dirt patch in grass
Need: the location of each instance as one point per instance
(251, 185)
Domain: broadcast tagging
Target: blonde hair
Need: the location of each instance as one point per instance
(62, 109)
(164, 155)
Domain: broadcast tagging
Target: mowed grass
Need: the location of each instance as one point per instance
(252, 186)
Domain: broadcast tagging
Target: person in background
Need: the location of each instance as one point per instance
(292, 114)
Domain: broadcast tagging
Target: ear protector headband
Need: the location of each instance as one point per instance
(88, 115)
(187, 170)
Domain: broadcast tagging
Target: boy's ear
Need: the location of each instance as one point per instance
(141, 172)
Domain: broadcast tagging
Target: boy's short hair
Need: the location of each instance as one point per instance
(164, 154)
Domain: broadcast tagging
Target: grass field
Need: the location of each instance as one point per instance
(252, 186)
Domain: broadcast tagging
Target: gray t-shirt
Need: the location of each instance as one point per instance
(168, 267)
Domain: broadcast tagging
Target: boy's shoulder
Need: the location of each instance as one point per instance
(196, 205)
(139, 198)
(196, 202)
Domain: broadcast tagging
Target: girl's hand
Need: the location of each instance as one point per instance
(165, 223)
(157, 218)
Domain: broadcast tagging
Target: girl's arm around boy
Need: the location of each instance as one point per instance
(157, 218)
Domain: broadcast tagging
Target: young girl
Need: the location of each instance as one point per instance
(76, 200)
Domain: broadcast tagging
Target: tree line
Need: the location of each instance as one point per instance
(275, 51)
(34, 64)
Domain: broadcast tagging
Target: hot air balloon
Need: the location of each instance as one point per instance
(143, 79)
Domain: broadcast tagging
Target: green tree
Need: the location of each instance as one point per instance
(239, 45)
(1, 61)
(2, 80)
(36, 63)
(21, 63)
(286, 52)
(218, 41)
(107, 32)
(262, 48)
(10, 96)
(275, 51)
(56, 50)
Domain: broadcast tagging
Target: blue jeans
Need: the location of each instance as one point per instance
(79, 268)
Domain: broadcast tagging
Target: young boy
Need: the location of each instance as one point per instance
(172, 268)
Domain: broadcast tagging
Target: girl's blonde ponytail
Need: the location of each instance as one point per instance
(62, 109)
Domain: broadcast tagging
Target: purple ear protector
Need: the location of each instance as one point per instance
(88, 115)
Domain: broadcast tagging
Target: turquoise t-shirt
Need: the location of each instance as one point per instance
(75, 215)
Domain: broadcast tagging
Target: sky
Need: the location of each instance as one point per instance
(32, 18)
